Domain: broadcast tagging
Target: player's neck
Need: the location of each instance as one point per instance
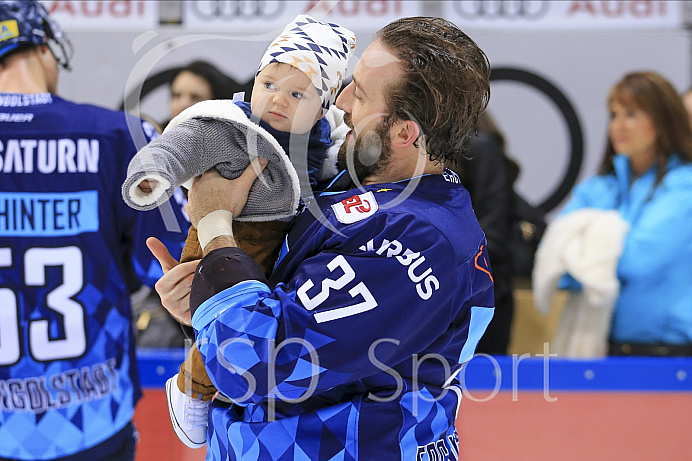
(23, 73)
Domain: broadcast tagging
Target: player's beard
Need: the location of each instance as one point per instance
(369, 153)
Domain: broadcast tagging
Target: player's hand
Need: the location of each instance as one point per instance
(211, 192)
(174, 286)
(160, 252)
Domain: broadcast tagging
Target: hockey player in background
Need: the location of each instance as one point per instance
(71, 252)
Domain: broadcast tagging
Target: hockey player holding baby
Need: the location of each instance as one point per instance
(289, 112)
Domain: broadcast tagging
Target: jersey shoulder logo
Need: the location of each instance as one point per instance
(356, 208)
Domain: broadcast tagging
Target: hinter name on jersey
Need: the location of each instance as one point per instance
(49, 155)
(48, 214)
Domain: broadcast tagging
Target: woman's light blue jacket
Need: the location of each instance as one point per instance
(655, 269)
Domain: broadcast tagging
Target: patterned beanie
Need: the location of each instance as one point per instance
(318, 49)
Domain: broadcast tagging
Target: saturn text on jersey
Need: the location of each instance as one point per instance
(49, 156)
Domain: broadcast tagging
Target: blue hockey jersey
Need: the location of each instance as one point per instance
(69, 252)
(351, 350)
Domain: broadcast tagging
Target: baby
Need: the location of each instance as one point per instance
(297, 81)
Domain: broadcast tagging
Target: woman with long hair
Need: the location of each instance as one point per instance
(646, 177)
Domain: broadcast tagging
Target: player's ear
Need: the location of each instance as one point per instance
(404, 133)
(43, 49)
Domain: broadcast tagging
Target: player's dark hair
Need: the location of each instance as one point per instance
(20, 49)
(446, 82)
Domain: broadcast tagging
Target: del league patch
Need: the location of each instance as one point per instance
(356, 208)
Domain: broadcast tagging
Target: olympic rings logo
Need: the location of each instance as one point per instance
(502, 9)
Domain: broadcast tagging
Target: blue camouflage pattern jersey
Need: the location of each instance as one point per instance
(350, 350)
(69, 252)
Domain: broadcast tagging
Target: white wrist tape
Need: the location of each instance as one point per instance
(213, 225)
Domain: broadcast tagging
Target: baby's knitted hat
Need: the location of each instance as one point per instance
(318, 49)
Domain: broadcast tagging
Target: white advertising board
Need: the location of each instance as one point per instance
(565, 15)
